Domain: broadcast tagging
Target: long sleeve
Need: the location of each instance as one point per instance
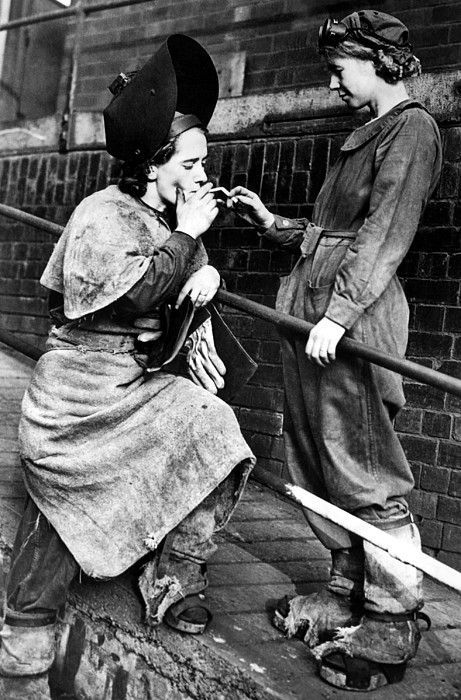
(407, 166)
(163, 277)
(288, 233)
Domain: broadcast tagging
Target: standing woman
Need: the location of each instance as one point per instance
(339, 436)
(121, 465)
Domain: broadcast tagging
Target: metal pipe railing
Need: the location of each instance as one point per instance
(346, 346)
(290, 324)
(67, 12)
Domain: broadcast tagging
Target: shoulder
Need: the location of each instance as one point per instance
(109, 198)
(415, 120)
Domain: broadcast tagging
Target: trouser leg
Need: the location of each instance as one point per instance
(302, 440)
(41, 571)
(183, 571)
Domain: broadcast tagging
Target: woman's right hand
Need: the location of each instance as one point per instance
(195, 214)
(248, 205)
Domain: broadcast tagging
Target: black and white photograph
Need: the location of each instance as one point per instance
(230, 349)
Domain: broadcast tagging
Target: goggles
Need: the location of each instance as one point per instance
(333, 32)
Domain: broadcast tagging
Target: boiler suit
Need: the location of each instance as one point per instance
(338, 427)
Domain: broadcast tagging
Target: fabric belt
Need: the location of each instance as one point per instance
(314, 233)
(338, 234)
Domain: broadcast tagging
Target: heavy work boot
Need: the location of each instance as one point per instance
(172, 586)
(375, 652)
(314, 618)
(28, 647)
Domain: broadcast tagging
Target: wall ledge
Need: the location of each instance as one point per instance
(284, 112)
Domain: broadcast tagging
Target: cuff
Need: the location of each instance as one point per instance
(343, 311)
(283, 228)
(182, 242)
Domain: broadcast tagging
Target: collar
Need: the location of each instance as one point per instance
(365, 133)
(160, 215)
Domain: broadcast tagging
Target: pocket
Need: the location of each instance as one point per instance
(289, 289)
(328, 257)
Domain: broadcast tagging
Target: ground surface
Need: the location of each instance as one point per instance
(265, 552)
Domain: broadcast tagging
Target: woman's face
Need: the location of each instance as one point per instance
(185, 169)
(355, 80)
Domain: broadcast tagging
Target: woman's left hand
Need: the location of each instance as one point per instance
(201, 286)
(322, 342)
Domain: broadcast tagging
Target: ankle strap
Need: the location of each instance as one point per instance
(13, 618)
(414, 615)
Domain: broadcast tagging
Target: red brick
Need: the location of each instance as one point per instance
(261, 397)
(454, 269)
(455, 484)
(453, 320)
(259, 443)
(419, 449)
(408, 420)
(431, 533)
(449, 510)
(443, 291)
(423, 504)
(261, 421)
(435, 479)
(457, 428)
(451, 538)
(436, 424)
(437, 214)
(450, 455)
(429, 318)
(452, 144)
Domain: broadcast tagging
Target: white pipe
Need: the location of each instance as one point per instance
(403, 552)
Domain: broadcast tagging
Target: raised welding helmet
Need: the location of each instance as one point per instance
(179, 78)
(368, 27)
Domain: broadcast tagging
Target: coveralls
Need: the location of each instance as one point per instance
(338, 429)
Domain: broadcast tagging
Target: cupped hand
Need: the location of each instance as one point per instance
(201, 286)
(322, 342)
(249, 205)
(195, 214)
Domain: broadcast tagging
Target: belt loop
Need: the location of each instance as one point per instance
(310, 239)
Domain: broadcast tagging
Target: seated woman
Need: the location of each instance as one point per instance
(120, 463)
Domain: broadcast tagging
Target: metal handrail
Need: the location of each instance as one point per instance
(286, 323)
(67, 12)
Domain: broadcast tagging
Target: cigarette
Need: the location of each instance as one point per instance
(221, 190)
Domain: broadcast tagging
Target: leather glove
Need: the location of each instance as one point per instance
(204, 365)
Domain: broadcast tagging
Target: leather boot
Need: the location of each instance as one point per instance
(170, 585)
(314, 618)
(375, 652)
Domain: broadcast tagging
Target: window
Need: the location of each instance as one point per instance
(30, 60)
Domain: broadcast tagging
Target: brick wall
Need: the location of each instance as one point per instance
(278, 36)
(289, 170)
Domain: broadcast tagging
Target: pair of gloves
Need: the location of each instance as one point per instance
(204, 365)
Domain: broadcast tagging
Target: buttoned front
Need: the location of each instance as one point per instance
(338, 427)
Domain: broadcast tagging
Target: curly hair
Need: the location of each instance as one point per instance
(391, 63)
(135, 176)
